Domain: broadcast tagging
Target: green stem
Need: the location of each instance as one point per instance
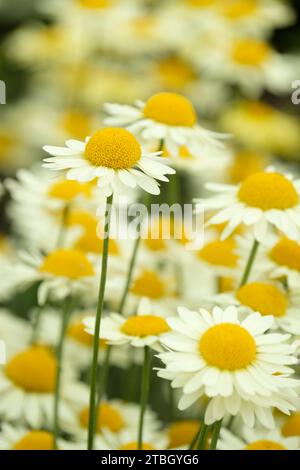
(129, 275)
(35, 325)
(93, 378)
(104, 374)
(196, 438)
(65, 216)
(203, 436)
(249, 263)
(59, 356)
(215, 435)
(144, 394)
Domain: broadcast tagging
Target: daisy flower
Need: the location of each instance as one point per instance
(263, 200)
(20, 438)
(27, 384)
(143, 329)
(15, 331)
(257, 439)
(241, 368)
(60, 273)
(171, 118)
(112, 156)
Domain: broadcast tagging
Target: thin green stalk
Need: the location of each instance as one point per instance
(103, 376)
(196, 438)
(59, 357)
(145, 386)
(249, 263)
(129, 275)
(93, 378)
(61, 235)
(215, 435)
(35, 325)
(203, 436)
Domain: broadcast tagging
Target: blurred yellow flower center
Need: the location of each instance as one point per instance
(236, 9)
(34, 370)
(258, 110)
(134, 446)
(171, 109)
(286, 253)
(265, 445)
(76, 124)
(263, 298)
(182, 433)
(149, 284)
(228, 346)
(268, 191)
(250, 52)
(175, 73)
(72, 264)
(93, 4)
(77, 332)
(291, 426)
(107, 417)
(201, 3)
(145, 325)
(219, 253)
(6, 144)
(67, 190)
(35, 440)
(246, 164)
(113, 148)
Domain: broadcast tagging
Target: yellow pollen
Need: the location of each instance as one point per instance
(228, 347)
(263, 298)
(244, 165)
(265, 445)
(35, 440)
(268, 191)
(68, 190)
(182, 433)
(219, 253)
(77, 332)
(171, 109)
(107, 417)
(149, 284)
(93, 4)
(145, 325)
(134, 446)
(237, 9)
(113, 148)
(72, 264)
(250, 52)
(175, 73)
(33, 370)
(76, 124)
(291, 426)
(286, 253)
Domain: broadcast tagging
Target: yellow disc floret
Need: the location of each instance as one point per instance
(35, 440)
(219, 253)
(182, 433)
(228, 347)
(201, 3)
(286, 253)
(149, 284)
(134, 446)
(237, 9)
(107, 417)
(263, 298)
(72, 264)
(76, 124)
(250, 52)
(93, 4)
(265, 445)
(68, 190)
(77, 332)
(145, 325)
(268, 191)
(33, 370)
(113, 148)
(291, 427)
(171, 109)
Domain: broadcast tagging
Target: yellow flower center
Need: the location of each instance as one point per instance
(244, 165)
(6, 144)
(93, 4)
(182, 433)
(263, 298)
(219, 253)
(228, 346)
(77, 332)
(145, 325)
(286, 253)
(268, 191)
(68, 190)
(257, 110)
(201, 3)
(291, 426)
(33, 370)
(250, 52)
(171, 109)
(265, 445)
(107, 417)
(76, 124)
(113, 148)
(226, 284)
(149, 284)
(237, 9)
(72, 264)
(175, 73)
(35, 440)
(134, 446)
